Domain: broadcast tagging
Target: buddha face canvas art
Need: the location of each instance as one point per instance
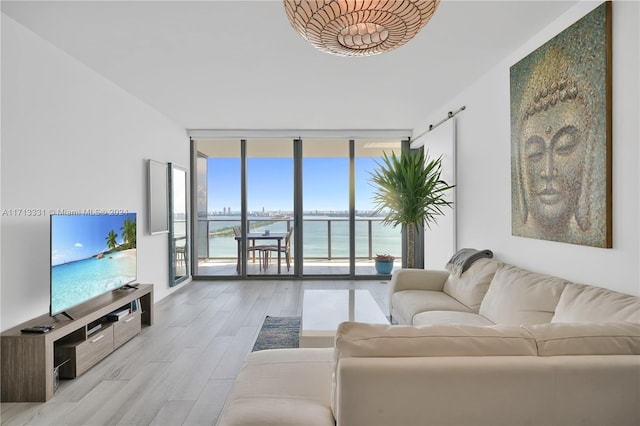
(561, 137)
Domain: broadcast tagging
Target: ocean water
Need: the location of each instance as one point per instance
(385, 239)
(73, 283)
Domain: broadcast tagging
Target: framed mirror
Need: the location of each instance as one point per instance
(158, 197)
(179, 254)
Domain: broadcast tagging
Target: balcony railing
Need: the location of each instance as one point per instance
(324, 237)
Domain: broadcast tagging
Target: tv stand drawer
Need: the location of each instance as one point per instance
(84, 355)
(127, 328)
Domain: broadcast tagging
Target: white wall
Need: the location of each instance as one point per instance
(484, 173)
(70, 140)
(440, 237)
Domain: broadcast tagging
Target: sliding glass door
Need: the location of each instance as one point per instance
(289, 207)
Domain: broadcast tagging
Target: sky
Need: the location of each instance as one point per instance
(270, 184)
(76, 237)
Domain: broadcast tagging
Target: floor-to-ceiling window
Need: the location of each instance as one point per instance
(325, 183)
(372, 236)
(310, 192)
(218, 207)
(269, 177)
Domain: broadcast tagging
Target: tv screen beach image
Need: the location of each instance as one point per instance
(90, 255)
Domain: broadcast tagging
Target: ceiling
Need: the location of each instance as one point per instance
(240, 65)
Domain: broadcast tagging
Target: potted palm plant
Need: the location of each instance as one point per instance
(409, 192)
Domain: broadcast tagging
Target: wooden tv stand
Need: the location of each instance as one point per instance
(30, 361)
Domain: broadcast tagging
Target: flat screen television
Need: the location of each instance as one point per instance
(91, 254)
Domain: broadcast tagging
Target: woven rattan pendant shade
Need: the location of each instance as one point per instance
(359, 27)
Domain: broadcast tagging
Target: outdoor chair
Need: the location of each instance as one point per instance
(250, 249)
(284, 249)
(180, 254)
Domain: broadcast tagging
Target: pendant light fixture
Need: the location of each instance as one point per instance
(359, 27)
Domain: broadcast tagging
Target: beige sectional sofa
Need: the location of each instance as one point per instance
(491, 292)
(498, 345)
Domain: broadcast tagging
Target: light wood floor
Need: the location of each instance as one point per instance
(180, 370)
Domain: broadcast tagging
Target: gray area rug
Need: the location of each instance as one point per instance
(278, 333)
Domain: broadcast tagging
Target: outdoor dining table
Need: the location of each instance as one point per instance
(272, 236)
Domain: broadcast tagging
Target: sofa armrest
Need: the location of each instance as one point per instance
(417, 279)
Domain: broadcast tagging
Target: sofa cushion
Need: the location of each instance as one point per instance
(282, 387)
(471, 287)
(585, 303)
(517, 296)
(355, 339)
(408, 303)
(449, 317)
(611, 338)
